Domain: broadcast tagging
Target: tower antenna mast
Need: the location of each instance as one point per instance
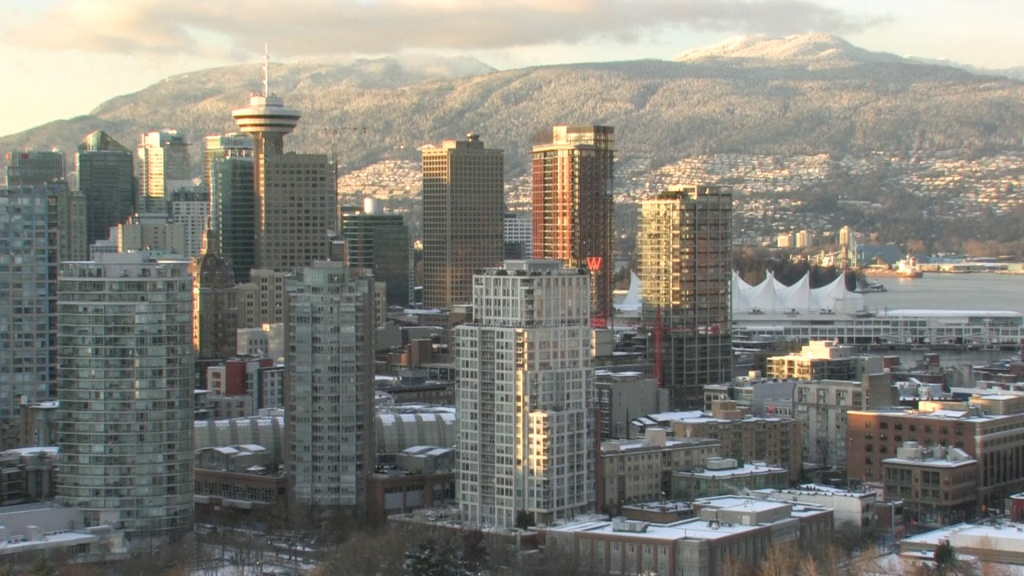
(266, 69)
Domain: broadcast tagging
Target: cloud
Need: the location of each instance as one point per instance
(314, 27)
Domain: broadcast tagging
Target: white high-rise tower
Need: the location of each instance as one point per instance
(525, 394)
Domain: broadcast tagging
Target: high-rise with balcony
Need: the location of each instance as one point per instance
(126, 372)
(329, 389)
(572, 180)
(44, 171)
(463, 214)
(525, 396)
(106, 178)
(29, 256)
(163, 167)
(686, 267)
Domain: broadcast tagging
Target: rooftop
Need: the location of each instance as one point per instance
(690, 529)
(748, 469)
(1000, 536)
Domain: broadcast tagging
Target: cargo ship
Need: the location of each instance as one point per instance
(905, 268)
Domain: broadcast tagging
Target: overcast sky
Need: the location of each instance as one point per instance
(61, 58)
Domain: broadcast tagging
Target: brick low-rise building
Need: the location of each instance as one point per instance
(246, 480)
(994, 439)
(775, 441)
(641, 470)
(421, 477)
(732, 531)
(723, 476)
(938, 485)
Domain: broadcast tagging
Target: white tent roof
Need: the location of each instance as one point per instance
(772, 296)
(631, 302)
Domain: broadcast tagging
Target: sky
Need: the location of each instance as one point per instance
(62, 58)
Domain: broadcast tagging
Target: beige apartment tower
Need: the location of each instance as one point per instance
(163, 168)
(463, 218)
(686, 267)
(263, 299)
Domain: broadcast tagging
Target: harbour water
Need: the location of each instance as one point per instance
(952, 292)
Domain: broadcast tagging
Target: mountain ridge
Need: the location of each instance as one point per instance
(817, 94)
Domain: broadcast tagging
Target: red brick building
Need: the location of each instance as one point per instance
(995, 440)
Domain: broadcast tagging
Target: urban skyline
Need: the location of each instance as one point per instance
(227, 382)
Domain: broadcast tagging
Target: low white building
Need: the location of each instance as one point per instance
(49, 528)
(856, 508)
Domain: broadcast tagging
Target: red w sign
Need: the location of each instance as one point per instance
(594, 263)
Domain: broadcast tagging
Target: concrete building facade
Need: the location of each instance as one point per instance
(641, 470)
(262, 300)
(463, 208)
(163, 167)
(937, 485)
(525, 393)
(821, 406)
(622, 396)
(329, 389)
(295, 211)
(29, 237)
(823, 360)
(994, 440)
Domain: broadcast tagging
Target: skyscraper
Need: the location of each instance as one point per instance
(573, 175)
(214, 308)
(106, 178)
(190, 207)
(463, 212)
(29, 256)
(163, 163)
(126, 396)
(329, 388)
(293, 217)
(685, 246)
(72, 241)
(380, 242)
(518, 235)
(525, 396)
(296, 194)
(233, 213)
(35, 167)
(219, 147)
(263, 299)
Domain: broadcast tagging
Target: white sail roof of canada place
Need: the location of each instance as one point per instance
(772, 296)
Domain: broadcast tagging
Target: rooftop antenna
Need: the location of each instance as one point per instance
(266, 68)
